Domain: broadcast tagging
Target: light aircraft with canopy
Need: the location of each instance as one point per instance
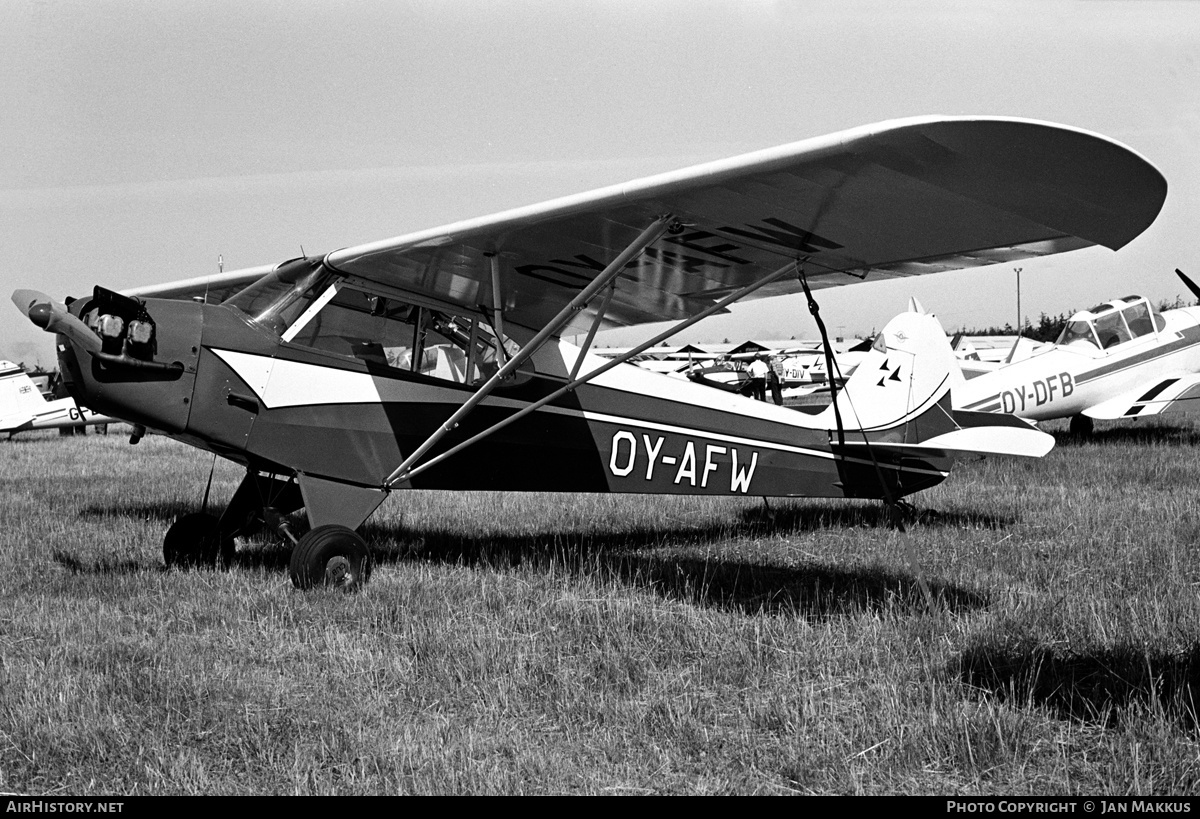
(1119, 359)
(438, 359)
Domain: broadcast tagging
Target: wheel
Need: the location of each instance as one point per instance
(195, 541)
(332, 556)
(1081, 426)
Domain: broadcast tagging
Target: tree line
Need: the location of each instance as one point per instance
(1049, 328)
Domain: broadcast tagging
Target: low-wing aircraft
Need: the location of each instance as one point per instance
(1119, 359)
(23, 408)
(437, 359)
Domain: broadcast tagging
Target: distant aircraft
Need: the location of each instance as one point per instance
(438, 359)
(980, 354)
(810, 366)
(1119, 359)
(23, 408)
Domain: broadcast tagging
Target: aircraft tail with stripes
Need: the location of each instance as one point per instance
(23, 408)
(899, 398)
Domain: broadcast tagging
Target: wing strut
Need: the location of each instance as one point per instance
(400, 475)
(893, 503)
(587, 342)
(497, 317)
(647, 237)
(830, 363)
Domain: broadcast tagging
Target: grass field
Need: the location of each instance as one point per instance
(513, 644)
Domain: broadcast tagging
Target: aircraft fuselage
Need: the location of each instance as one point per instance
(288, 409)
(1067, 380)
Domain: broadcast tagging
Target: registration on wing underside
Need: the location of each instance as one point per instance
(679, 267)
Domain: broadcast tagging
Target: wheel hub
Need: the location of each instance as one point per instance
(338, 572)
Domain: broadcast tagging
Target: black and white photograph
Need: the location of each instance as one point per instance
(599, 397)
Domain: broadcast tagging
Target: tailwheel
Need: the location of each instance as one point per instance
(195, 541)
(332, 556)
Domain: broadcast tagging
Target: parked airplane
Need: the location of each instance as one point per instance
(437, 359)
(23, 408)
(1120, 359)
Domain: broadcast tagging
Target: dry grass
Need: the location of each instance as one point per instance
(604, 644)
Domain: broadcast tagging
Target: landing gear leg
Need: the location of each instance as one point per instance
(332, 554)
(260, 499)
(201, 540)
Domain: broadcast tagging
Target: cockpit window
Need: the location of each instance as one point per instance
(1078, 332)
(1139, 320)
(1108, 325)
(1111, 330)
(305, 303)
(387, 332)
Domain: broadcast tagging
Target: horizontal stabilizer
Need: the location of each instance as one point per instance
(989, 437)
(901, 394)
(11, 425)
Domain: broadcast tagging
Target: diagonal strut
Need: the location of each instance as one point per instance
(647, 237)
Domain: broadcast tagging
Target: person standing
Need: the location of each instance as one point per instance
(758, 370)
(774, 382)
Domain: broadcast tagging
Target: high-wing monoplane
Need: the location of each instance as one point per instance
(1119, 359)
(23, 408)
(437, 359)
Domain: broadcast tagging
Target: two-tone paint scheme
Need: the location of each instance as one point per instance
(1120, 359)
(243, 394)
(23, 408)
(437, 359)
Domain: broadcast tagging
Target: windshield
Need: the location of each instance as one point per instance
(275, 300)
(1078, 332)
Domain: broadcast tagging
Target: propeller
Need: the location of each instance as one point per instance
(1191, 285)
(53, 317)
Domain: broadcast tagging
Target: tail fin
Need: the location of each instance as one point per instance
(899, 396)
(20, 399)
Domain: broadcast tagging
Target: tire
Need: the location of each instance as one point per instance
(1081, 426)
(331, 556)
(195, 541)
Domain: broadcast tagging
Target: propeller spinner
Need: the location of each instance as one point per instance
(53, 317)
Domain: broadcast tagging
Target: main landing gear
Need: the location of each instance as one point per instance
(330, 555)
(1081, 426)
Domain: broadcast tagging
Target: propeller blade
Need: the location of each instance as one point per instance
(1191, 285)
(53, 317)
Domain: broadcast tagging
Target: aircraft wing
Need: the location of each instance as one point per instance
(212, 289)
(895, 199)
(900, 198)
(1178, 394)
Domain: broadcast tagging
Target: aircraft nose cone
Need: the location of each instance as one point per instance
(35, 305)
(53, 317)
(40, 314)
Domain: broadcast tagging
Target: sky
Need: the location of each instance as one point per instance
(141, 142)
